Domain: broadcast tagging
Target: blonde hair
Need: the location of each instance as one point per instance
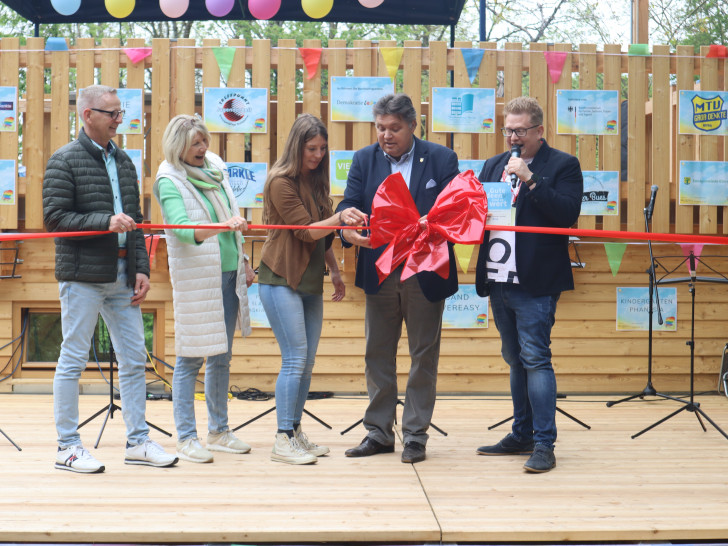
(525, 105)
(178, 137)
(288, 165)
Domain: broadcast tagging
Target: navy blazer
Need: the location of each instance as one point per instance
(433, 165)
(542, 261)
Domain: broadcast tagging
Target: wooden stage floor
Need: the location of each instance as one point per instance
(667, 485)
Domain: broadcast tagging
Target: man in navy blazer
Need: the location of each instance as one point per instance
(525, 273)
(419, 301)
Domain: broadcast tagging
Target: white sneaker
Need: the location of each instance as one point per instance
(191, 450)
(77, 459)
(149, 453)
(288, 450)
(226, 441)
(307, 444)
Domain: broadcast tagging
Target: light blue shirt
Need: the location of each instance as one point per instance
(404, 165)
(109, 155)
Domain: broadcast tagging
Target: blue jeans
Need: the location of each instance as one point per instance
(296, 319)
(217, 375)
(81, 303)
(524, 322)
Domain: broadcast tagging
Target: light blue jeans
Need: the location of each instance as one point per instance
(217, 375)
(524, 323)
(81, 303)
(296, 319)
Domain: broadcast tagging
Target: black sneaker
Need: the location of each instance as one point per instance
(542, 460)
(507, 446)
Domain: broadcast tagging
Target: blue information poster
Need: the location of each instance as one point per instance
(339, 165)
(247, 181)
(352, 98)
(463, 110)
(8, 189)
(465, 309)
(9, 109)
(132, 102)
(258, 318)
(236, 110)
(582, 112)
(601, 193)
(501, 211)
(633, 309)
(475, 165)
(703, 183)
(703, 112)
(136, 158)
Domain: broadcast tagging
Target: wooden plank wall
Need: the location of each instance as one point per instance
(589, 354)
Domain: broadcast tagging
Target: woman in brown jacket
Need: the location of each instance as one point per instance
(291, 274)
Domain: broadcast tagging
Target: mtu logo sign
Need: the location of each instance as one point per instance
(708, 114)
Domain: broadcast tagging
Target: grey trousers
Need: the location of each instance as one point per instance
(385, 311)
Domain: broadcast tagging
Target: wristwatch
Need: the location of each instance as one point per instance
(531, 182)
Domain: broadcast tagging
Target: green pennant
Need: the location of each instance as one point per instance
(224, 56)
(615, 251)
(639, 50)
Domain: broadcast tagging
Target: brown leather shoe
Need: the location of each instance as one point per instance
(367, 448)
(414, 452)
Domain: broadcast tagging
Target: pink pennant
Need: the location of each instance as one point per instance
(717, 51)
(696, 249)
(137, 54)
(555, 62)
(311, 57)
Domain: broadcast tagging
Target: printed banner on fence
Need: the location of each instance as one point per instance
(339, 165)
(601, 193)
(463, 110)
(8, 185)
(136, 158)
(703, 183)
(352, 98)
(236, 110)
(132, 102)
(9, 109)
(465, 309)
(475, 165)
(247, 181)
(633, 309)
(703, 112)
(258, 318)
(580, 112)
(501, 211)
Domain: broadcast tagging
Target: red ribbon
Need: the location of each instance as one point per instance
(458, 216)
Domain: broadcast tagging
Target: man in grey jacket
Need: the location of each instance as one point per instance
(91, 185)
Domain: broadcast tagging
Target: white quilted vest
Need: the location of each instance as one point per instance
(195, 272)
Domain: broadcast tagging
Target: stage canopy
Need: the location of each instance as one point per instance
(427, 12)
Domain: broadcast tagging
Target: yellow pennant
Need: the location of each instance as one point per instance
(392, 58)
(463, 253)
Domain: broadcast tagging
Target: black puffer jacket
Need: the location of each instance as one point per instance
(77, 196)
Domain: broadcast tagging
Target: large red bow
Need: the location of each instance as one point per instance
(458, 216)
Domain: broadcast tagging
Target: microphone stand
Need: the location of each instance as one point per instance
(649, 390)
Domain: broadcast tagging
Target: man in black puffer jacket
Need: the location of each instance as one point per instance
(91, 185)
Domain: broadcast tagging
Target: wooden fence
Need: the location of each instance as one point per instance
(177, 71)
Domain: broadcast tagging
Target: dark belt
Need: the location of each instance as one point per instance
(122, 253)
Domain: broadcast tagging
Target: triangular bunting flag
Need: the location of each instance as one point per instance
(717, 51)
(151, 241)
(311, 57)
(615, 251)
(472, 58)
(56, 44)
(639, 49)
(696, 249)
(137, 54)
(555, 62)
(463, 253)
(224, 57)
(392, 58)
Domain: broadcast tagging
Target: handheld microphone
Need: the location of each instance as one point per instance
(516, 152)
(651, 205)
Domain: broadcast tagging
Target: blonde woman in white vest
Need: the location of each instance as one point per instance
(210, 276)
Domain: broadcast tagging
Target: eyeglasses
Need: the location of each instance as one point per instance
(115, 114)
(518, 132)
